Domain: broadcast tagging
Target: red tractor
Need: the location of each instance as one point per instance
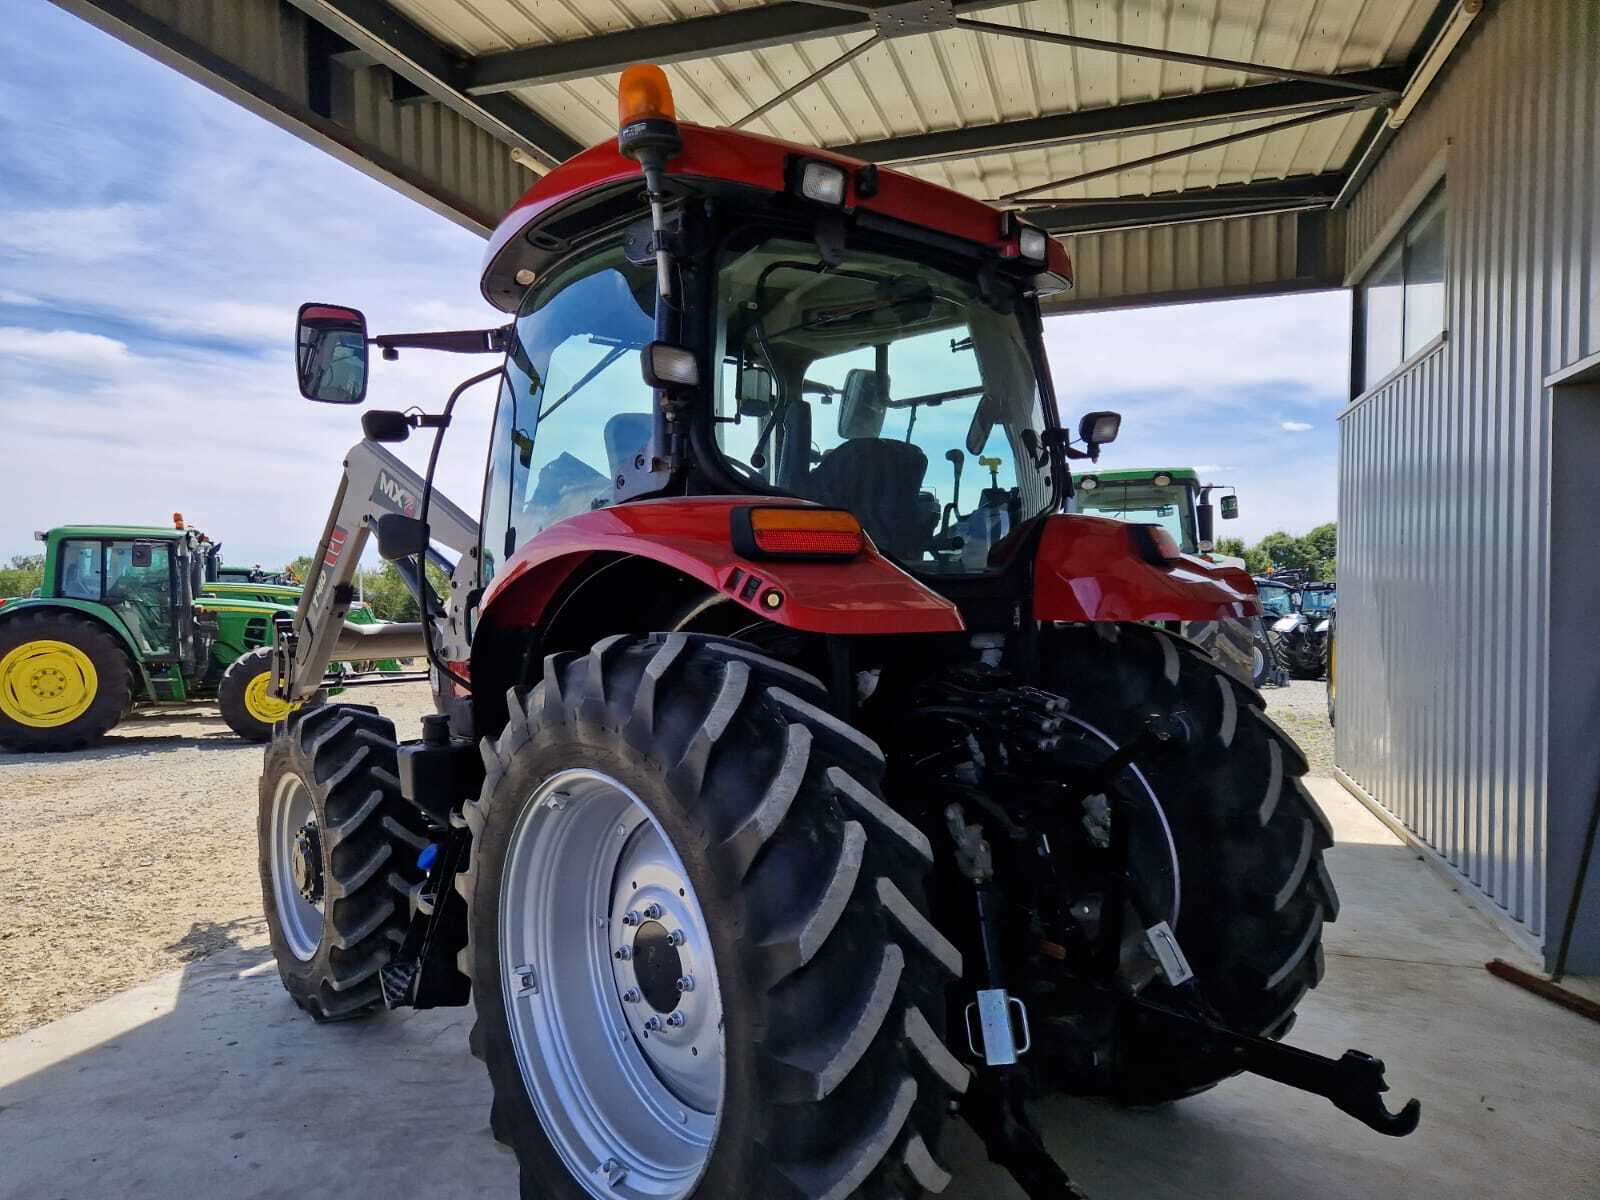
(780, 806)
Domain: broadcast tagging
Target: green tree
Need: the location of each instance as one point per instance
(388, 596)
(1286, 553)
(25, 573)
(300, 567)
(1322, 548)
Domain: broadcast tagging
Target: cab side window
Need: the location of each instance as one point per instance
(81, 575)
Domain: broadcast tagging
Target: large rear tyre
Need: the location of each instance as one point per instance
(64, 682)
(338, 851)
(1253, 892)
(697, 943)
(244, 695)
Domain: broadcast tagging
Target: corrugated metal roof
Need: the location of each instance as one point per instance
(958, 79)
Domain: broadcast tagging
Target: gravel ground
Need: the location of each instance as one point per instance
(1302, 709)
(131, 859)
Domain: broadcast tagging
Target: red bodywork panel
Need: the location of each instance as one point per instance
(863, 595)
(1090, 569)
(757, 161)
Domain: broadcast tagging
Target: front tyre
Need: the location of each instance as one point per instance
(246, 699)
(698, 947)
(338, 850)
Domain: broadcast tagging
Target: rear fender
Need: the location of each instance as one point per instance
(99, 614)
(1091, 569)
(867, 594)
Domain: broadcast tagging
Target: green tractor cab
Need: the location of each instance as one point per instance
(135, 615)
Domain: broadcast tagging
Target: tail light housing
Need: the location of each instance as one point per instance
(796, 532)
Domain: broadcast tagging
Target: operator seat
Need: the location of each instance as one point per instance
(877, 478)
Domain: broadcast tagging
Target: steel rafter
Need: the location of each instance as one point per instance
(816, 76)
(1299, 194)
(1259, 131)
(1114, 121)
(741, 29)
(1339, 82)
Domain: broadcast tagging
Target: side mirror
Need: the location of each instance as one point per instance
(331, 353)
(1230, 507)
(1205, 524)
(400, 536)
(862, 405)
(755, 392)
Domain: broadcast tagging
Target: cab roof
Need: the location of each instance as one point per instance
(148, 532)
(1141, 475)
(546, 219)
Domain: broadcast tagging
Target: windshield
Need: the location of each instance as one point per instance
(1274, 600)
(1318, 600)
(882, 385)
(1143, 503)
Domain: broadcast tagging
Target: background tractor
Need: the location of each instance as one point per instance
(777, 809)
(1299, 613)
(137, 615)
(1175, 499)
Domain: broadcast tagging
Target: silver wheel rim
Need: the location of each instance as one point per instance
(1258, 662)
(610, 990)
(300, 919)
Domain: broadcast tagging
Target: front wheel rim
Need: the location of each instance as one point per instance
(261, 704)
(297, 867)
(611, 991)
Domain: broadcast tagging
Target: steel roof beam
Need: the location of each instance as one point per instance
(1228, 200)
(1114, 121)
(1161, 54)
(674, 41)
(375, 28)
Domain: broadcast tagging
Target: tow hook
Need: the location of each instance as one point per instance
(1354, 1082)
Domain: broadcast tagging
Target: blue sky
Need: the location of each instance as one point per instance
(155, 241)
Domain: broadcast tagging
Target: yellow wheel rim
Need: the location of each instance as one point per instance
(262, 704)
(45, 684)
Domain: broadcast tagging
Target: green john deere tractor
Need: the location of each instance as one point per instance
(135, 615)
(1175, 499)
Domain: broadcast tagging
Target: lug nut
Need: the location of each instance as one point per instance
(675, 938)
(677, 1020)
(631, 996)
(624, 953)
(686, 983)
(631, 917)
(653, 912)
(653, 1024)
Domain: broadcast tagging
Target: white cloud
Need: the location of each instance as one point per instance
(1297, 427)
(64, 348)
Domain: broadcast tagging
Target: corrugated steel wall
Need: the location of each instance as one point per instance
(255, 52)
(1444, 470)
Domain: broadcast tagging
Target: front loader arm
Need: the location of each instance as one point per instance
(374, 482)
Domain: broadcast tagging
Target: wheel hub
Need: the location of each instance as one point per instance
(306, 863)
(658, 966)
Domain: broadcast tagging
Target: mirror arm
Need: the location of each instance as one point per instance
(458, 341)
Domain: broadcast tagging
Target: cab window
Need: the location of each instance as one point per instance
(80, 570)
(575, 409)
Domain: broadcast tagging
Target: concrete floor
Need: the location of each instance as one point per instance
(208, 1083)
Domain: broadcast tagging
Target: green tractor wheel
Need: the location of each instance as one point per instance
(64, 682)
(246, 699)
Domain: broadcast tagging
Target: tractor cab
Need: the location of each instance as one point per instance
(146, 576)
(1173, 498)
